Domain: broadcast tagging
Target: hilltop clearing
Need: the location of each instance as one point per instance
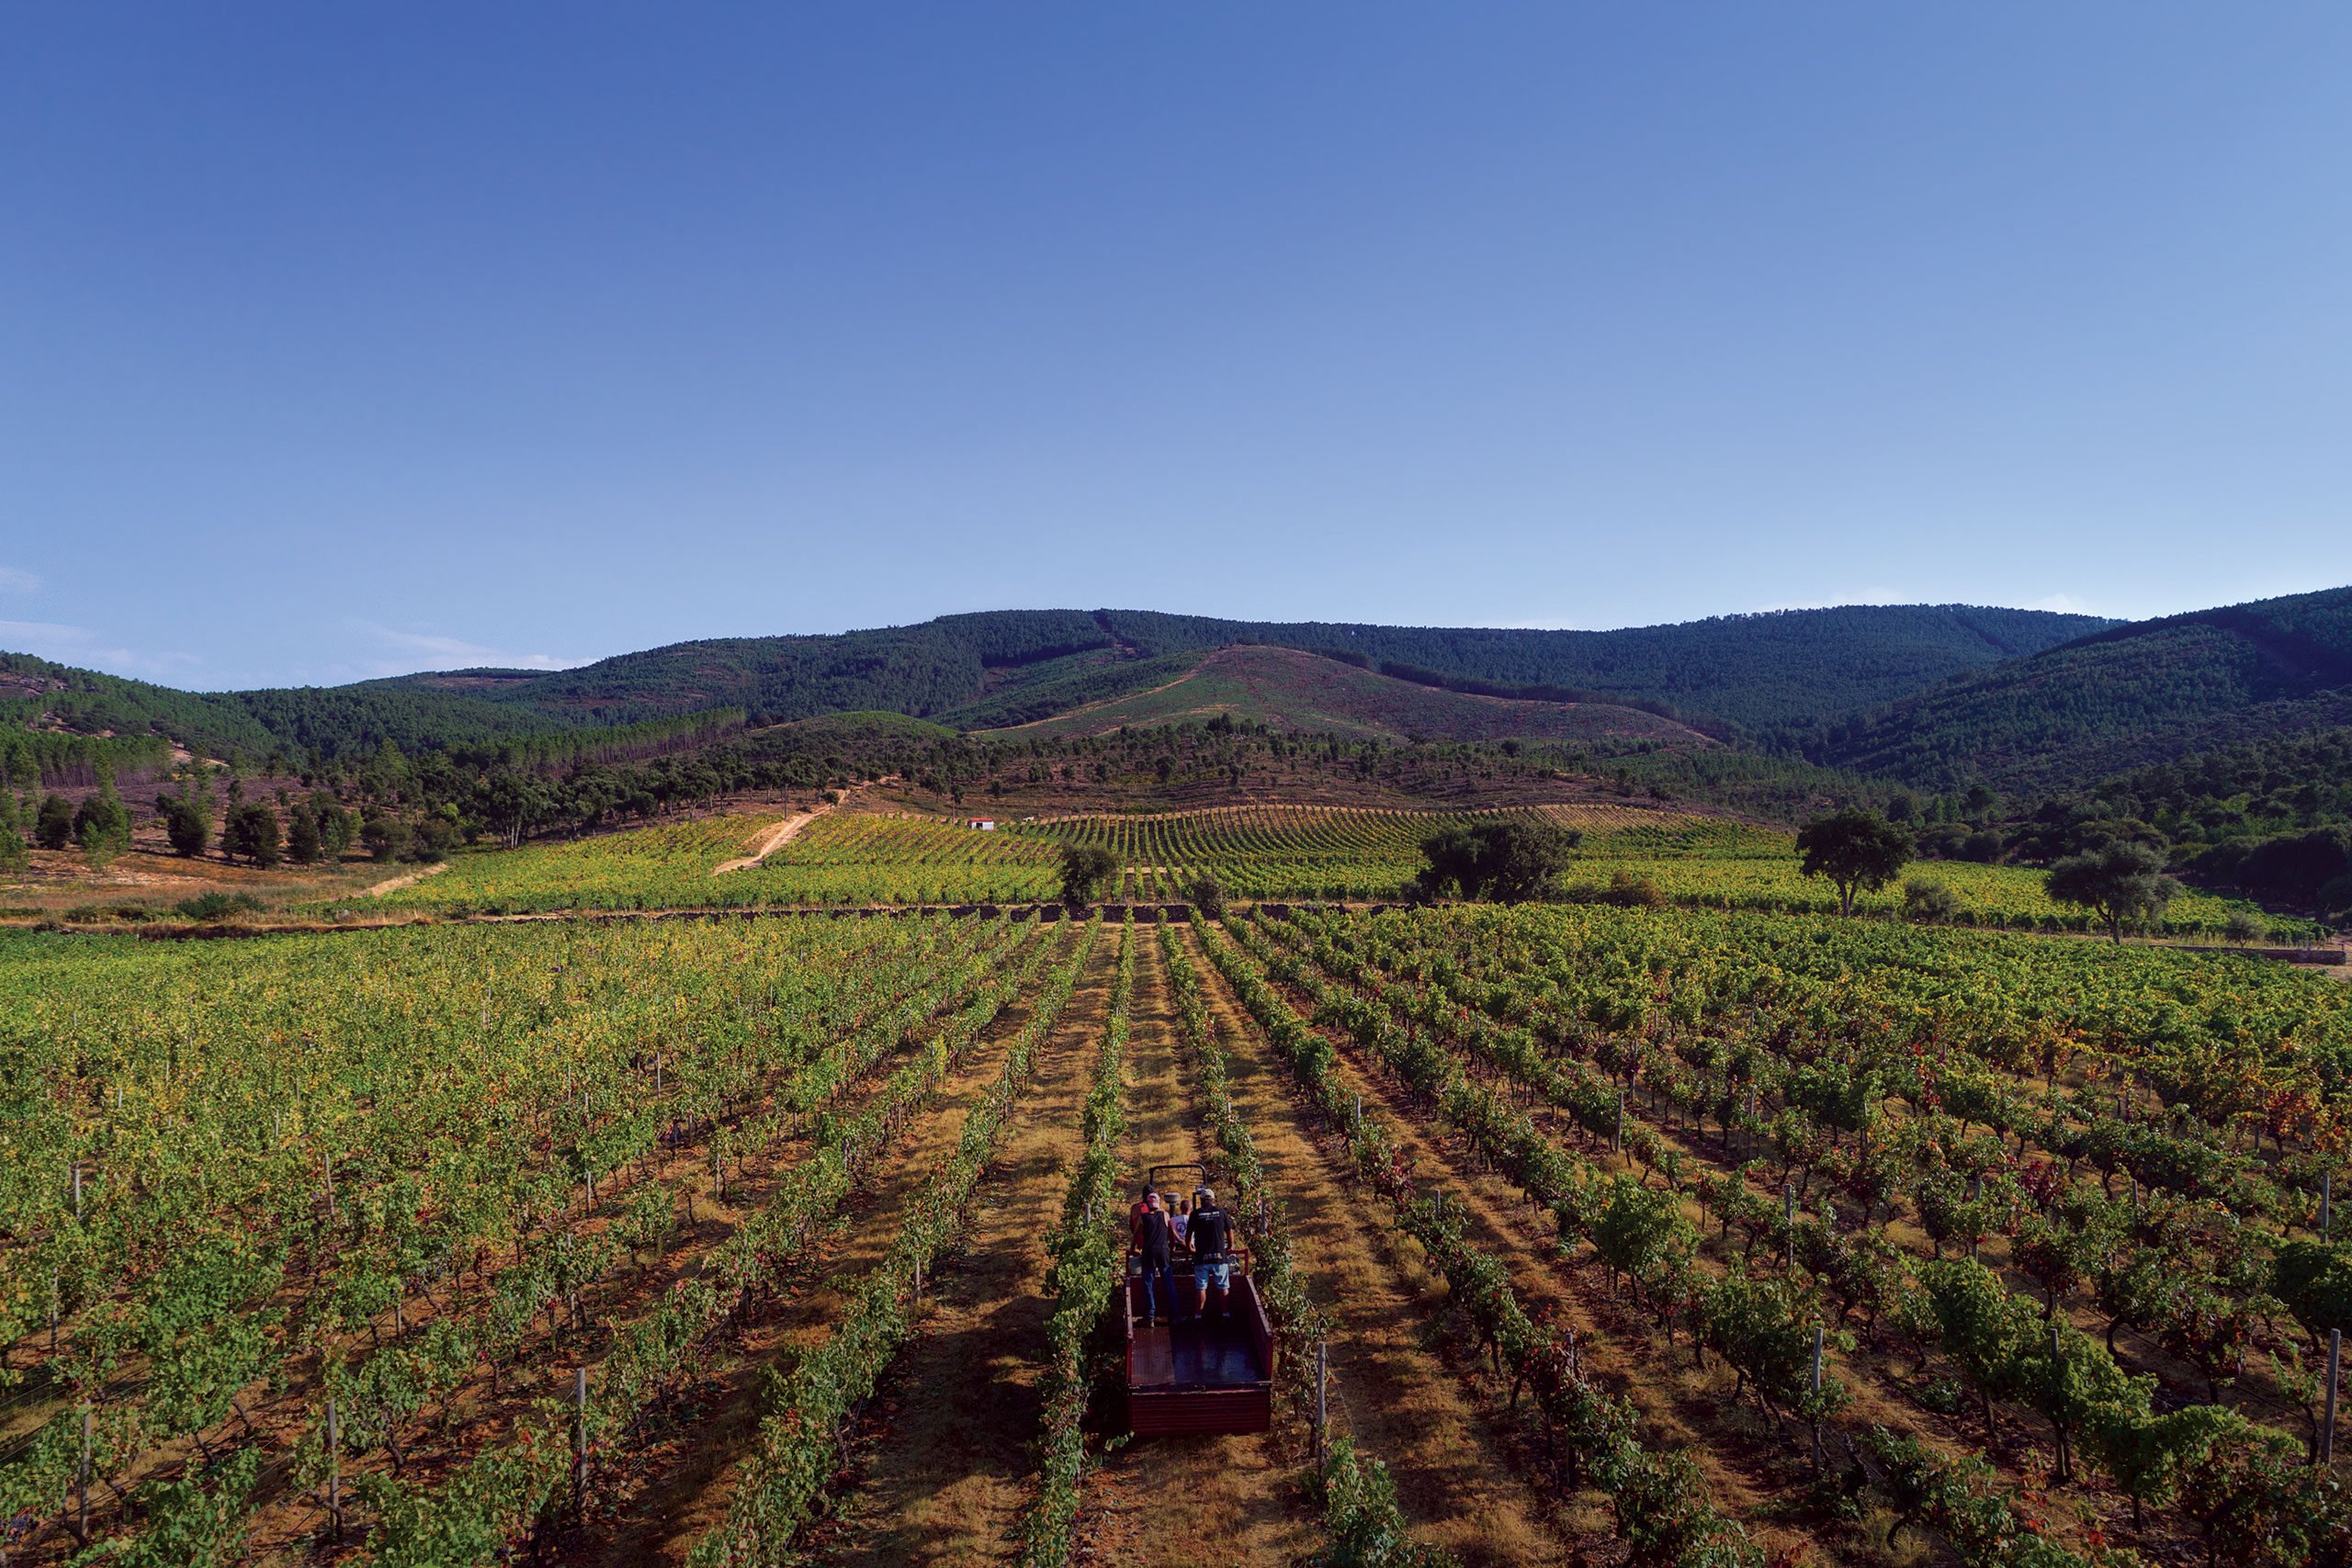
(1291, 692)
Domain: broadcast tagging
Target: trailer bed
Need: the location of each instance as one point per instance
(1199, 1377)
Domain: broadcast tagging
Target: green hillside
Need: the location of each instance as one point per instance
(1760, 672)
(2118, 699)
(1002, 668)
(338, 720)
(1010, 667)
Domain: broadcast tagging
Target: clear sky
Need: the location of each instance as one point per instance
(344, 339)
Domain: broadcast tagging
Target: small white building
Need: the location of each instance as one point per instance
(985, 824)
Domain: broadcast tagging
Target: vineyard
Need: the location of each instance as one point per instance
(1683, 1237)
(1277, 852)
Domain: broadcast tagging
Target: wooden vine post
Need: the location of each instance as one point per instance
(81, 1484)
(2335, 1367)
(334, 1475)
(1817, 1399)
(1322, 1408)
(580, 1441)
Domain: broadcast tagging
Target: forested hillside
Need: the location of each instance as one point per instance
(2272, 818)
(999, 668)
(337, 720)
(986, 670)
(2122, 698)
(1759, 672)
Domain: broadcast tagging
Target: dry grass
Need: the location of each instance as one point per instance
(61, 883)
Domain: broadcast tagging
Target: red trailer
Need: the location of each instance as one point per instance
(1189, 1376)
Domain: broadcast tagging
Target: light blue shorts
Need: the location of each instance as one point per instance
(1213, 1276)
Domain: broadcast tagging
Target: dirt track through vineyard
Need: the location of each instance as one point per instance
(1191, 1499)
(1394, 1392)
(945, 1463)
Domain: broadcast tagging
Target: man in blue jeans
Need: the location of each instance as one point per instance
(1155, 1241)
(1210, 1236)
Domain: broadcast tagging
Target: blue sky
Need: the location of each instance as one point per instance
(343, 340)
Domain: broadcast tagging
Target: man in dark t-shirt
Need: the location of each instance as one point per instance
(1155, 1241)
(1211, 1235)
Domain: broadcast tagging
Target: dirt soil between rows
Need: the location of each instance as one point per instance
(944, 1463)
(680, 1483)
(1204, 1499)
(1399, 1380)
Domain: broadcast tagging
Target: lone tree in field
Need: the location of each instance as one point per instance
(1207, 895)
(1085, 868)
(102, 823)
(250, 832)
(53, 829)
(2121, 884)
(1507, 861)
(1859, 852)
(186, 824)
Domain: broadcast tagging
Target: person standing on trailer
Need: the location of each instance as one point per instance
(1156, 1241)
(1210, 1235)
(1134, 1218)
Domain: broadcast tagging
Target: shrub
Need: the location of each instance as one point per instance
(216, 906)
(1929, 902)
(89, 912)
(1207, 894)
(2245, 926)
(1632, 892)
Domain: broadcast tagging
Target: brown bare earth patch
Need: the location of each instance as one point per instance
(774, 838)
(152, 878)
(1294, 691)
(406, 879)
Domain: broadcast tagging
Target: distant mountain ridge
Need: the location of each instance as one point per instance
(1760, 671)
(2119, 698)
(996, 668)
